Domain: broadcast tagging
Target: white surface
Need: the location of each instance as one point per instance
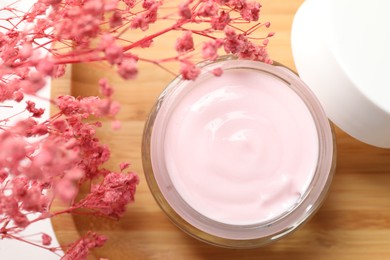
(341, 50)
(15, 250)
(12, 249)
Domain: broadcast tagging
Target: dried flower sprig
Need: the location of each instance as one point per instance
(44, 160)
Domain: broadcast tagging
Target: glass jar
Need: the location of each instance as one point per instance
(197, 222)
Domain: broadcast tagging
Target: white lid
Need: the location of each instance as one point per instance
(342, 51)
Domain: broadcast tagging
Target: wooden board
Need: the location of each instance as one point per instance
(354, 222)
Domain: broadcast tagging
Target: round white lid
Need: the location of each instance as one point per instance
(341, 50)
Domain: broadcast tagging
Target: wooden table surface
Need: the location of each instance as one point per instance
(353, 223)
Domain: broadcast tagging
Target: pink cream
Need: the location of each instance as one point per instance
(241, 148)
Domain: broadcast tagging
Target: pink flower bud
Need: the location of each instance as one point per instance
(26, 51)
(185, 11)
(146, 43)
(59, 70)
(35, 82)
(66, 190)
(189, 71)
(18, 96)
(116, 19)
(271, 34)
(146, 4)
(3, 176)
(139, 22)
(111, 5)
(210, 50)
(36, 112)
(250, 11)
(185, 43)
(128, 68)
(123, 166)
(105, 88)
(217, 72)
(114, 53)
(21, 220)
(46, 239)
(94, 7)
(75, 173)
(129, 3)
(46, 67)
(43, 158)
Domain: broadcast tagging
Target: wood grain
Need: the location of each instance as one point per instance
(353, 223)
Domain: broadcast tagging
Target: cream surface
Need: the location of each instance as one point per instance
(241, 148)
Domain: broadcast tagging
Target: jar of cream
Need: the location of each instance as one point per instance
(242, 159)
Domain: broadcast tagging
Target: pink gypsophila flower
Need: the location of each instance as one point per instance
(139, 22)
(219, 22)
(185, 43)
(208, 9)
(129, 3)
(105, 88)
(112, 195)
(116, 19)
(66, 190)
(20, 220)
(37, 44)
(185, 11)
(26, 51)
(36, 112)
(123, 166)
(35, 201)
(128, 68)
(13, 150)
(210, 49)
(3, 176)
(79, 250)
(146, 4)
(111, 5)
(114, 53)
(250, 11)
(33, 83)
(234, 43)
(18, 96)
(217, 72)
(188, 70)
(46, 239)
